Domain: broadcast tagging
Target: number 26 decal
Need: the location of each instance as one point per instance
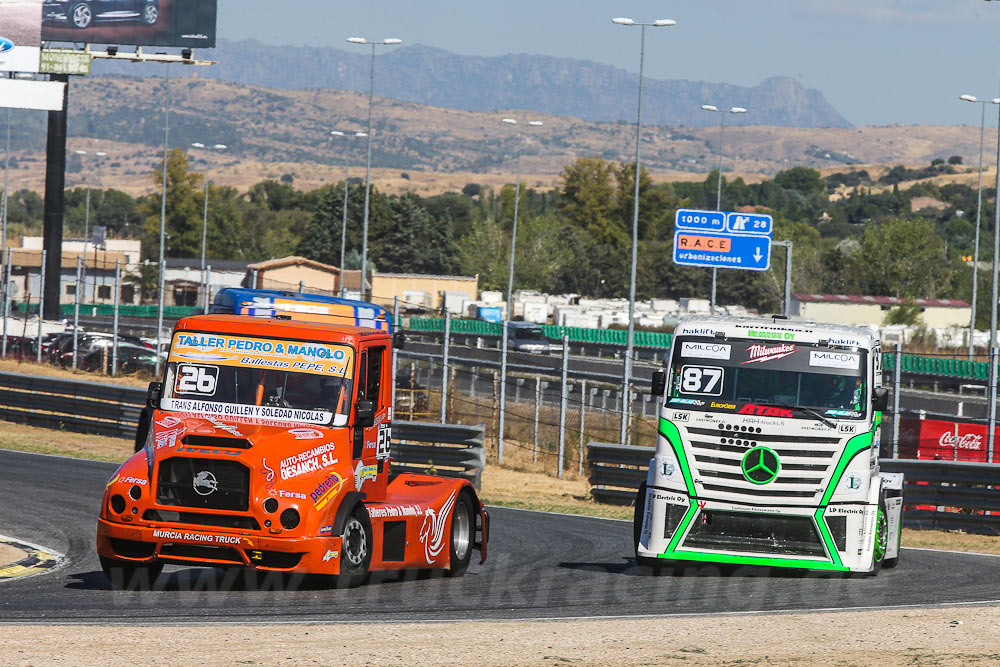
(193, 379)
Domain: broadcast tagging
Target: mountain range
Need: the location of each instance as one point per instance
(583, 89)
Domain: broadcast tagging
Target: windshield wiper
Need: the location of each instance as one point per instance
(818, 415)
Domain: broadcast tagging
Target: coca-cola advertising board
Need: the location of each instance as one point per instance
(944, 440)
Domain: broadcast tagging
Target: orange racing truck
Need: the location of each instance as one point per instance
(267, 446)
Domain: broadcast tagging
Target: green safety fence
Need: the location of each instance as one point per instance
(123, 311)
(911, 363)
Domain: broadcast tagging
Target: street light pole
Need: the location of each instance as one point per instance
(86, 229)
(510, 291)
(979, 213)
(630, 346)
(718, 188)
(163, 219)
(343, 229)
(204, 225)
(368, 163)
(3, 223)
(517, 197)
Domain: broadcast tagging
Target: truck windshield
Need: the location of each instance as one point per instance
(528, 333)
(231, 375)
(747, 376)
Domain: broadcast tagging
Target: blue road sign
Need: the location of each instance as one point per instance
(741, 241)
(702, 221)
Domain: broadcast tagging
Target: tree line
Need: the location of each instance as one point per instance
(851, 234)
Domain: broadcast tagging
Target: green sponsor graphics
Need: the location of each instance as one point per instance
(670, 433)
(771, 335)
(764, 561)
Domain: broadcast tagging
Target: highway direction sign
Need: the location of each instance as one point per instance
(724, 240)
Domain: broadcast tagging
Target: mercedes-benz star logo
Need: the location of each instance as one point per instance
(204, 483)
(760, 465)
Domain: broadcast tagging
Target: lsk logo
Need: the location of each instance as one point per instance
(760, 465)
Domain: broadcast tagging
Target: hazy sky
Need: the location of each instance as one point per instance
(876, 61)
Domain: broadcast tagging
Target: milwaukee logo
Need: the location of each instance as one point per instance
(762, 353)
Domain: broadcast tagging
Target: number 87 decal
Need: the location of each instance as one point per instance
(705, 380)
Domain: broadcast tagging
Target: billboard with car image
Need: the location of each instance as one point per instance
(179, 23)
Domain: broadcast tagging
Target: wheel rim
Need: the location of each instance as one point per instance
(355, 542)
(881, 528)
(81, 16)
(460, 531)
(151, 14)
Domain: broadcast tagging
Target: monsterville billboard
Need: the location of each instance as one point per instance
(189, 23)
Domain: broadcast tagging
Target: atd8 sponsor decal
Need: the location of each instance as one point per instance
(765, 411)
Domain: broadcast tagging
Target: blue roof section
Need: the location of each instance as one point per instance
(266, 303)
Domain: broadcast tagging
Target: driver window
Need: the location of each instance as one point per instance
(373, 375)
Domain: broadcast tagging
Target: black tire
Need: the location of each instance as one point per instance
(151, 13)
(130, 576)
(463, 534)
(646, 565)
(881, 537)
(355, 548)
(81, 15)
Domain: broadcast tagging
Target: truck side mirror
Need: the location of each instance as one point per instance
(364, 413)
(659, 383)
(880, 400)
(154, 392)
(399, 340)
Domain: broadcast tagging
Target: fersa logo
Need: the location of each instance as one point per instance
(5, 45)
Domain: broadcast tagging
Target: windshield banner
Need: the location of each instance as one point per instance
(252, 411)
(285, 355)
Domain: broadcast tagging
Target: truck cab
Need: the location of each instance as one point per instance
(267, 446)
(768, 450)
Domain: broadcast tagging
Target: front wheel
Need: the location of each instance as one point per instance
(130, 576)
(881, 536)
(463, 525)
(355, 548)
(81, 15)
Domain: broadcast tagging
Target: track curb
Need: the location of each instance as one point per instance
(36, 560)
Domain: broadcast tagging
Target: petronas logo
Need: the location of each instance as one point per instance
(760, 465)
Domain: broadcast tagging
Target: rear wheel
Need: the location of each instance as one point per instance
(151, 13)
(463, 525)
(355, 549)
(130, 576)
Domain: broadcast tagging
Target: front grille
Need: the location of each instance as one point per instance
(755, 533)
(674, 515)
(198, 519)
(216, 554)
(204, 484)
(806, 462)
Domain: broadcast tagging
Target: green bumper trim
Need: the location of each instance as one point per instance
(669, 432)
(753, 560)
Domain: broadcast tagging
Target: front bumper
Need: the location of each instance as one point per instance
(679, 528)
(194, 546)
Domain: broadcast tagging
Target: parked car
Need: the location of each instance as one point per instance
(527, 337)
(131, 359)
(19, 347)
(83, 14)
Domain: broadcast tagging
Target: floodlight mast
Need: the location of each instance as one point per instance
(630, 345)
(392, 41)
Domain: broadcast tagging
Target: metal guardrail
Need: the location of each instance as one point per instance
(450, 450)
(940, 495)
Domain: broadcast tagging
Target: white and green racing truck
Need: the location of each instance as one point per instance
(768, 449)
